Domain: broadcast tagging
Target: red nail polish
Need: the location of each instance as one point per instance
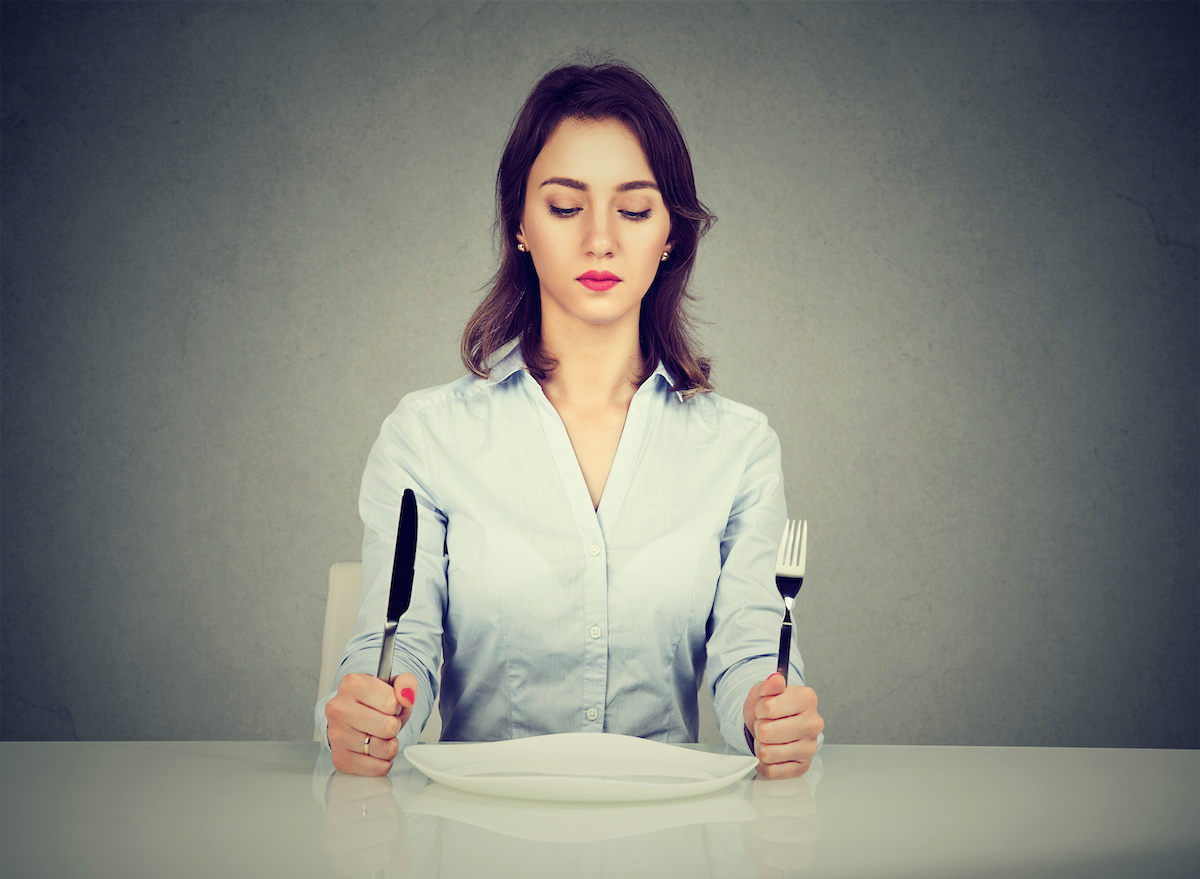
(408, 694)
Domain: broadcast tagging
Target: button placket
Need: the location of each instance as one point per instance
(595, 620)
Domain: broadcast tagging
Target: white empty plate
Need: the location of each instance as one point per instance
(559, 822)
(579, 767)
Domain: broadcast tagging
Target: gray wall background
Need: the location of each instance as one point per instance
(956, 265)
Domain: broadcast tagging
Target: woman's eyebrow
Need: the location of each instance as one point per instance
(583, 187)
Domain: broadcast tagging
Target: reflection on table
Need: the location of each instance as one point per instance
(183, 809)
(409, 826)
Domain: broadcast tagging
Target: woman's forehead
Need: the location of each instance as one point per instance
(595, 152)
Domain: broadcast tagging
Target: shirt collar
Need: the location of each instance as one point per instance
(662, 374)
(507, 366)
(512, 363)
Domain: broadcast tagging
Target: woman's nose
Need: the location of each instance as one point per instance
(599, 235)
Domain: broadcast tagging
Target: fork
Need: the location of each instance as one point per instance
(789, 576)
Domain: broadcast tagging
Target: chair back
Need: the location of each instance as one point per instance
(341, 609)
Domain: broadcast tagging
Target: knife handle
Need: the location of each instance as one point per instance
(389, 647)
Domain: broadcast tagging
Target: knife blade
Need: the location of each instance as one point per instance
(402, 580)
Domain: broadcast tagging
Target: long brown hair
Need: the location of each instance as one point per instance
(512, 307)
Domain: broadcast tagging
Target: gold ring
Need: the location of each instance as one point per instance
(367, 747)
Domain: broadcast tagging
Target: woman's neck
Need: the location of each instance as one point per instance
(597, 366)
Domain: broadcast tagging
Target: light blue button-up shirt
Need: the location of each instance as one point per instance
(550, 616)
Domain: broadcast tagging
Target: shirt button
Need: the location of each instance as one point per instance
(593, 714)
(594, 631)
(595, 550)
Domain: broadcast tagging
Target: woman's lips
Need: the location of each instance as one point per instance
(598, 281)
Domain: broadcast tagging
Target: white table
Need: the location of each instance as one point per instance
(182, 809)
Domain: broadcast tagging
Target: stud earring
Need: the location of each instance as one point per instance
(521, 247)
(663, 258)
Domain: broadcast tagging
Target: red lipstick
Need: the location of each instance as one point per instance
(598, 281)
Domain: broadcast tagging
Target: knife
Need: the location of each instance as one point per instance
(402, 580)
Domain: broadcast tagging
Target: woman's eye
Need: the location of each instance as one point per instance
(636, 216)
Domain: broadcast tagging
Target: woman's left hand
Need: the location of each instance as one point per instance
(785, 726)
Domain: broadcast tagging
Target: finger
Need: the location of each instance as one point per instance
(772, 686)
(344, 738)
(786, 760)
(356, 753)
(791, 700)
(806, 726)
(355, 763)
(370, 691)
(404, 688)
(382, 749)
(782, 752)
(350, 720)
(787, 769)
(366, 705)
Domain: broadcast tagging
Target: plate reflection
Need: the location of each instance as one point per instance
(404, 825)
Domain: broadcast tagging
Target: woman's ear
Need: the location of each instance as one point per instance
(521, 237)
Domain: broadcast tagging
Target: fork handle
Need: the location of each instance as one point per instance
(785, 647)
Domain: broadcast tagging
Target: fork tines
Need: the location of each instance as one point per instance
(793, 549)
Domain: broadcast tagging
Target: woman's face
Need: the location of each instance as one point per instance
(594, 224)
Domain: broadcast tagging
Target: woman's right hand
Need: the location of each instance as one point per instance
(365, 717)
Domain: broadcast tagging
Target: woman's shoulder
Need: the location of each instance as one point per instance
(712, 420)
(707, 402)
(462, 390)
(465, 388)
(717, 406)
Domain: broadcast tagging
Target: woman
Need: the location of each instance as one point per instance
(597, 528)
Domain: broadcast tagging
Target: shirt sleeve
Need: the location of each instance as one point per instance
(743, 639)
(398, 461)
